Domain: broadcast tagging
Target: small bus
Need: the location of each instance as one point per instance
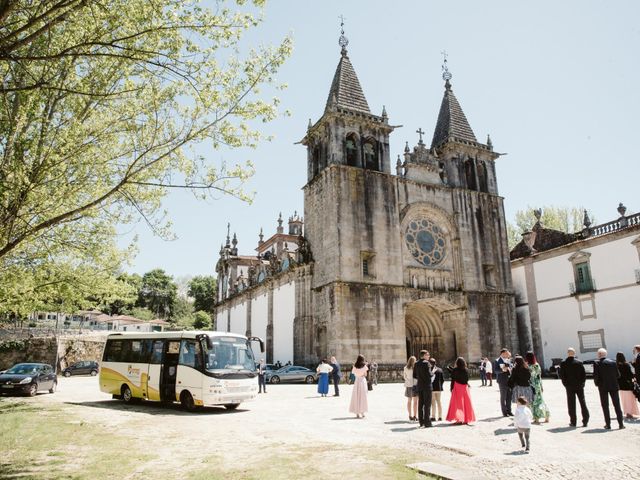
(195, 368)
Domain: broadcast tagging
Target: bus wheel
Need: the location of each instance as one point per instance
(127, 396)
(187, 401)
(231, 406)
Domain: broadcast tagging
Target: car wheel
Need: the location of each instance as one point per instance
(127, 396)
(53, 387)
(231, 406)
(33, 390)
(275, 379)
(93, 373)
(309, 379)
(187, 402)
(67, 374)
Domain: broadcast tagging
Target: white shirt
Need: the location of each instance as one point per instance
(324, 368)
(523, 417)
(488, 367)
(409, 381)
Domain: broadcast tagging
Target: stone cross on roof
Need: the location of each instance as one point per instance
(420, 132)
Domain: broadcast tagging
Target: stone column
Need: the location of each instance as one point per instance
(270, 325)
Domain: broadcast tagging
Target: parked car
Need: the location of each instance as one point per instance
(291, 374)
(28, 378)
(82, 368)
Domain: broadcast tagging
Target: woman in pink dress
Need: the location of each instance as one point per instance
(625, 382)
(359, 404)
(460, 407)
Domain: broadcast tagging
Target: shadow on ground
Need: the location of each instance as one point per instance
(154, 408)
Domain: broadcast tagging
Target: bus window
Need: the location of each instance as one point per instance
(191, 354)
(112, 351)
(156, 352)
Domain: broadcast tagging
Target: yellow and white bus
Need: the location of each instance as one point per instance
(193, 368)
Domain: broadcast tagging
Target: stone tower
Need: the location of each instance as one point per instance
(402, 262)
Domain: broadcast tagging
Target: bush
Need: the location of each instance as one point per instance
(12, 345)
(202, 320)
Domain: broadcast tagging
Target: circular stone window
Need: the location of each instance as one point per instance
(426, 242)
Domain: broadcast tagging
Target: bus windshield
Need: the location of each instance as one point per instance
(229, 353)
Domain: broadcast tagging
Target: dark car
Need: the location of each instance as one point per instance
(28, 378)
(291, 373)
(555, 367)
(82, 368)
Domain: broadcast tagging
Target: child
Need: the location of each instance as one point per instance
(522, 420)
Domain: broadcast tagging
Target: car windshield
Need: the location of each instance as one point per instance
(229, 353)
(24, 369)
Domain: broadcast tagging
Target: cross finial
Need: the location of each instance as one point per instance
(343, 41)
(446, 75)
(420, 132)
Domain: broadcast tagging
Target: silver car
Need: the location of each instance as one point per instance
(291, 374)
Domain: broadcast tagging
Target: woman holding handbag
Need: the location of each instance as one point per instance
(626, 383)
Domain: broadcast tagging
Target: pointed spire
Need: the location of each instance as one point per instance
(451, 120)
(261, 237)
(346, 91)
(384, 113)
(280, 229)
(310, 125)
(406, 147)
(228, 244)
(586, 221)
(489, 142)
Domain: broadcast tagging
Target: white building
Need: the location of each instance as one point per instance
(579, 290)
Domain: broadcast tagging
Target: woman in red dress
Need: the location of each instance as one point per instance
(460, 407)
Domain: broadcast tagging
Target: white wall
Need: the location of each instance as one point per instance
(553, 276)
(519, 284)
(259, 320)
(284, 303)
(614, 263)
(239, 319)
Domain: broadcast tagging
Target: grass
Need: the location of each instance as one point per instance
(48, 443)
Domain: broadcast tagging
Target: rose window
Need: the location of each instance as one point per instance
(426, 242)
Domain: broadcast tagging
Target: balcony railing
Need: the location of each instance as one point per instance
(582, 287)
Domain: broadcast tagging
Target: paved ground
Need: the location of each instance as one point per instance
(290, 416)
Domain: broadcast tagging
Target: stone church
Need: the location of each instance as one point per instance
(383, 263)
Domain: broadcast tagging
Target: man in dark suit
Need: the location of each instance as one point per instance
(502, 371)
(605, 376)
(335, 376)
(573, 377)
(422, 372)
(636, 362)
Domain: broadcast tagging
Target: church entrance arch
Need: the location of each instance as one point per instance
(423, 326)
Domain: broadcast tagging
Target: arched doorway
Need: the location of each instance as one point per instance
(423, 327)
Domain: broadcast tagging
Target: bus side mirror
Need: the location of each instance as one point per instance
(259, 340)
(208, 339)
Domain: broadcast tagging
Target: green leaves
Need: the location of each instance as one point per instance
(101, 103)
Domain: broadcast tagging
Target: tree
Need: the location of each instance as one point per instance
(202, 288)
(122, 304)
(158, 293)
(101, 105)
(565, 219)
(182, 314)
(140, 313)
(202, 320)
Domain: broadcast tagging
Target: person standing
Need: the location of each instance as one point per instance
(374, 372)
(625, 383)
(522, 421)
(324, 369)
(262, 370)
(483, 373)
(605, 376)
(503, 370)
(520, 381)
(410, 390)
(438, 385)
(422, 372)
(489, 371)
(359, 404)
(573, 378)
(538, 407)
(335, 376)
(460, 406)
(636, 362)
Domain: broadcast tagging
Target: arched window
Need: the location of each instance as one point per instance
(352, 150)
(370, 154)
(482, 177)
(470, 174)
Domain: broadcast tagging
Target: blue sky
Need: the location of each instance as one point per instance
(556, 84)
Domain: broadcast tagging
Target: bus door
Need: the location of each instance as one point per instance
(154, 375)
(169, 371)
(190, 369)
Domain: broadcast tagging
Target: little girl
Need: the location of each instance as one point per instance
(522, 420)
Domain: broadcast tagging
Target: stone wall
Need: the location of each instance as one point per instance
(63, 350)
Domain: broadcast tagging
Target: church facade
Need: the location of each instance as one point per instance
(387, 262)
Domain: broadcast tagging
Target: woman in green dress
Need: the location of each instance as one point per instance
(538, 407)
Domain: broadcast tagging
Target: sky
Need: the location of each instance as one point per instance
(555, 84)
